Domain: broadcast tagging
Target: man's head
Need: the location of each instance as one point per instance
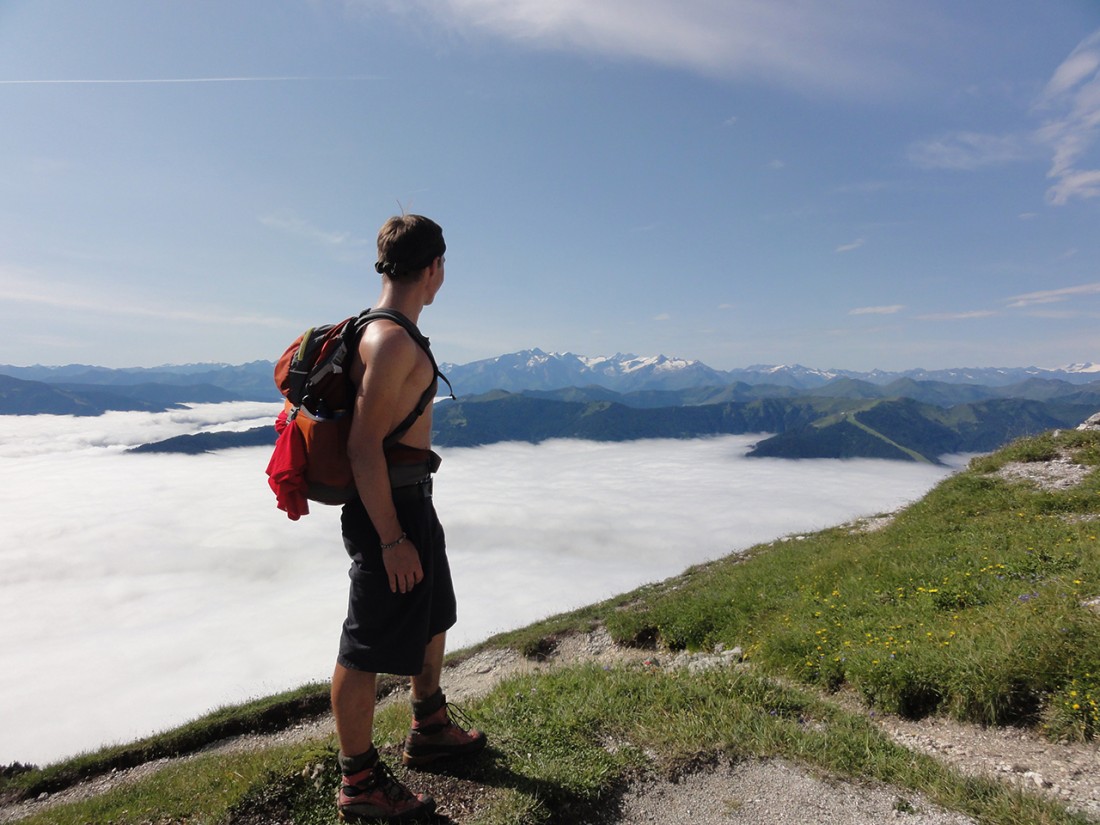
(407, 244)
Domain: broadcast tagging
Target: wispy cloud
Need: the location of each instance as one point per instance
(1052, 296)
(1073, 98)
(145, 81)
(23, 290)
(958, 316)
(1065, 315)
(780, 42)
(967, 151)
(1071, 104)
(293, 225)
(1028, 301)
(664, 316)
(849, 247)
(892, 309)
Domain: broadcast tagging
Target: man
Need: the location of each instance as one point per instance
(402, 601)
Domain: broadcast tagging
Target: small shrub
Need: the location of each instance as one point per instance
(1074, 710)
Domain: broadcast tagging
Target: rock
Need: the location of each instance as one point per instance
(1091, 423)
(1037, 779)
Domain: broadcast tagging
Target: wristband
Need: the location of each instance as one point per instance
(393, 544)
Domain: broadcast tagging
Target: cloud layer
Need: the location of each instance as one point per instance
(804, 46)
(171, 584)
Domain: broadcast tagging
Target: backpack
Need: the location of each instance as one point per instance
(310, 460)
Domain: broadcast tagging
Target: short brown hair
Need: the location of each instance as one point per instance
(407, 244)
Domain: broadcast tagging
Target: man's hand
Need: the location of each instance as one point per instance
(403, 568)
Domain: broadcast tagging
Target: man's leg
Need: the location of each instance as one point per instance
(353, 698)
(434, 735)
(368, 790)
(425, 685)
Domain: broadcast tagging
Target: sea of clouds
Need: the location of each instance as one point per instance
(140, 591)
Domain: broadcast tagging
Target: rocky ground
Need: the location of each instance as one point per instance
(752, 791)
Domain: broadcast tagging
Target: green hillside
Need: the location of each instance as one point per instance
(819, 426)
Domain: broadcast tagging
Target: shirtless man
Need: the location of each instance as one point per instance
(402, 601)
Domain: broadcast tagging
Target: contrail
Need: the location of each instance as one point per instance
(163, 80)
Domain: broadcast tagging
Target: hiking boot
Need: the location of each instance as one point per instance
(439, 737)
(375, 795)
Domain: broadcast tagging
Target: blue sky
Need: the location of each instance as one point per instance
(849, 184)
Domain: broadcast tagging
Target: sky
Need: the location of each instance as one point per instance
(852, 184)
(165, 586)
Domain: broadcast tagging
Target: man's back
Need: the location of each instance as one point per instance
(391, 374)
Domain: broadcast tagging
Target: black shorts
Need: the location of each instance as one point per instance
(387, 632)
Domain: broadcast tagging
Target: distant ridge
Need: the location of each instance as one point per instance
(91, 390)
(538, 370)
(241, 382)
(825, 423)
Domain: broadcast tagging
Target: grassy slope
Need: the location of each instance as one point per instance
(969, 604)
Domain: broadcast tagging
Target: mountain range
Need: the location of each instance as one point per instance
(532, 396)
(538, 370)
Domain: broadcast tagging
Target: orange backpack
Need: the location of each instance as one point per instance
(310, 460)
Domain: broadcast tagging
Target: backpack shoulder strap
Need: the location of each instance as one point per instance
(428, 396)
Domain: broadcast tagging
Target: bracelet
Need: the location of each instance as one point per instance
(393, 544)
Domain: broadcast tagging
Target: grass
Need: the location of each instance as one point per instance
(970, 603)
(266, 714)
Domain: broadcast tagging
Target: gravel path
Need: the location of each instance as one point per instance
(775, 792)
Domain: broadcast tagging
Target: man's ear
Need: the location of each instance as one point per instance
(435, 266)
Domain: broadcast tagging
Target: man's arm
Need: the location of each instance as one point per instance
(389, 357)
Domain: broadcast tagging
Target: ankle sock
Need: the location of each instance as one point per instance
(423, 708)
(350, 765)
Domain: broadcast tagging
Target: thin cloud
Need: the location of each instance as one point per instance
(958, 316)
(1073, 96)
(1052, 296)
(850, 247)
(146, 81)
(892, 309)
(303, 229)
(664, 316)
(1063, 315)
(967, 151)
(1071, 100)
(788, 43)
(68, 297)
